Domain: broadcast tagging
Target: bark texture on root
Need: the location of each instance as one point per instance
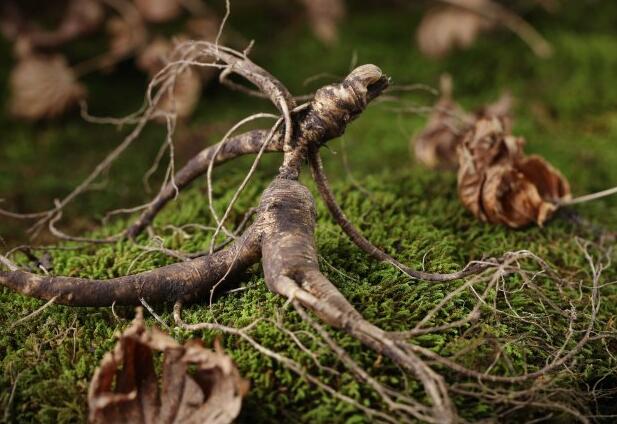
(217, 154)
(291, 269)
(282, 233)
(325, 117)
(185, 281)
(363, 243)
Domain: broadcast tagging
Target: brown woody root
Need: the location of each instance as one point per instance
(243, 144)
(282, 236)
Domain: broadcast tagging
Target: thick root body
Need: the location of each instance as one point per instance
(291, 269)
(185, 281)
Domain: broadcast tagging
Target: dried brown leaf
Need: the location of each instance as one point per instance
(324, 17)
(81, 17)
(499, 184)
(158, 10)
(444, 28)
(125, 387)
(125, 37)
(500, 108)
(204, 27)
(43, 87)
(436, 145)
(184, 96)
(154, 56)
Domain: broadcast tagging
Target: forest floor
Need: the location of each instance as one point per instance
(566, 109)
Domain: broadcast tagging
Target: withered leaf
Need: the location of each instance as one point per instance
(181, 98)
(324, 17)
(158, 10)
(80, 17)
(436, 145)
(499, 184)
(124, 36)
(500, 108)
(184, 96)
(43, 87)
(125, 387)
(154, 56)
(444, 28)
(204, 27)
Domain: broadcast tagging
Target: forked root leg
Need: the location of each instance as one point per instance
(185, 281)
(291, 269)
(217, 154)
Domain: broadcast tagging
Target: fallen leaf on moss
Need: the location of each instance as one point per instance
(154, 56)
(324, 17)
(204, 27)
(43, 87)
(444, 28)
(158, 10)
(125, 387)
(500, 185)
(82, 17)
(125, 37)
(79, 17)
(436, 145)
(182, 99)
(500, 108)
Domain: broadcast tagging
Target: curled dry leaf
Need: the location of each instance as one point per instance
(154, 56)
(436, 145)
(324, 17)
(204, 28)
(181, 98)
(501, 108)
(81, 17)
(444, 28)
(125, 387)
(43, 87)
(158, 10)
(125, 36)
(499, 184)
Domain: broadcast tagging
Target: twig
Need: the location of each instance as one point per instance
(33, 313)
(589, 197)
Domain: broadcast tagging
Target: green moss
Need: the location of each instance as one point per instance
(412, 213)
(60, 348)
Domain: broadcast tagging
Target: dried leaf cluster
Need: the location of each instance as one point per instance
(446, 27)
(436, 145)
(42, 68)
(125, 387)
(324, 17)
(497, 182)
(158, 10)
(43, 86)
(186, 90)
(457, 24)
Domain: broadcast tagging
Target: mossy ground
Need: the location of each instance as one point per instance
(567, 110)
